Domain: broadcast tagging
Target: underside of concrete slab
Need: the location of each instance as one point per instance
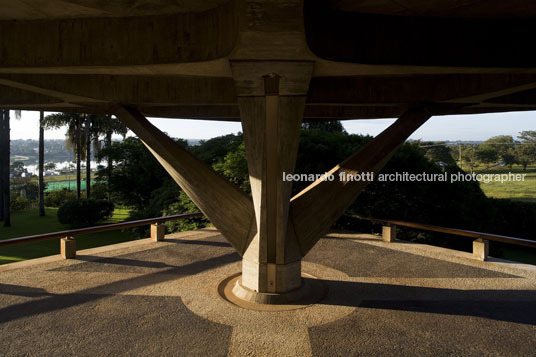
(174, 58)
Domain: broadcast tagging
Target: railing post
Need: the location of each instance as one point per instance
(158, 231)
(389, 233)
(480, 249)
(68, 247)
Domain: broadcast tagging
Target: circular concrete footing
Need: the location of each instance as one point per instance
(311, 291)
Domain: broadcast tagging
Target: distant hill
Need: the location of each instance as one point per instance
(27, 150)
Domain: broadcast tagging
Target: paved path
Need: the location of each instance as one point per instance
(144, 298)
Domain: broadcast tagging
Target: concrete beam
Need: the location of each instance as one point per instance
(389, 90)
(139, 90)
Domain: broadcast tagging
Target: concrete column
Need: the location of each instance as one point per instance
(271, 122)
(389, 233)
(68, 247)
(480, 249)
(158, 231)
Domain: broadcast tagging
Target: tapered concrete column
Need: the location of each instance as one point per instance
(271, 116)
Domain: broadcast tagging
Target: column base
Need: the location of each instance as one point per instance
(244, 293)
(271, 278)
(310, 291)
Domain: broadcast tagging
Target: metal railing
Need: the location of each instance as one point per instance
(480, 244)
(67, 243)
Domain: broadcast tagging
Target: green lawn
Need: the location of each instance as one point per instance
(517, 191)
(28, 222)
(521, 190)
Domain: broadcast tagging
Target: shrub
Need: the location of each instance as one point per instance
(99, 191)
(26, 187)
(83, 212)
(59, 197)
(183, 205)
(19, 203)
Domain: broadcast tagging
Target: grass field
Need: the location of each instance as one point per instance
(517, 191)
(521, 191)
(28, 222)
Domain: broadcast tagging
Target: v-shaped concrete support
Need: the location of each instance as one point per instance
(271, 98)
(316, 208)
(228, 208)
(274, 231)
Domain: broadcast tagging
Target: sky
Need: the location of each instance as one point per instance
(452, 127)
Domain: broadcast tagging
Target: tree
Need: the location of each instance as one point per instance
(17, 169)
(234, 166)
(509, 157)
(487, 154)
(136, 173)
(5, 149)
(211, 151)
(41, 164)
(469, 155)
(4, 168)
(75, 134)
(50, 166)
(330, 126)
(438, 152)
(74, 137)
(105, 125)
(82, 131)
(525, 152)
(89, 135)
(503, 146)
(524, 155)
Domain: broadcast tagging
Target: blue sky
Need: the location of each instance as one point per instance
(459, 127)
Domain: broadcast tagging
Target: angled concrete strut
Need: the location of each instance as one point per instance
(316, 208)
(228, 208)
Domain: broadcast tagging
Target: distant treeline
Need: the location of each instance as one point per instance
(56, 150)
(139, 182)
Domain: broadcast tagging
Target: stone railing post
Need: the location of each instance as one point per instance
(389, 233)
(68, 247)
(158, 231)
(480, 249)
